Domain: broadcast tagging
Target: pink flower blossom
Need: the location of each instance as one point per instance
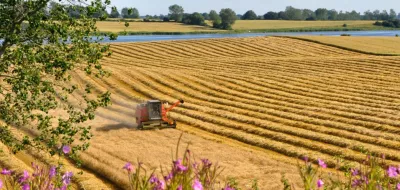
(66, 178)
(160, 185)
(24, 177)
(305, 158)
(128, 166)
(320, 183)
(321, 163)
(66, 149)
(229, 188)
(354, 172)
(26, 187)
(206, 163)
(6, 172)
(197, 185)
(392, 171)
(53, 171)
(1, 184)
(179, 166)
(169, 176)
(153, 179)
(179, 187)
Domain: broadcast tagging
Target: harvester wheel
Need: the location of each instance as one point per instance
(140, 126)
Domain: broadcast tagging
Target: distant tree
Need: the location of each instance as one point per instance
(332, 14)
(176, 12)
(194, 19)
(398, 16)
(392, 14)
(368, 15)
(129, 13)
(166, 19)
(239, 16)
(214, 15)
(76, 11)
(228, 18)
(249, 15)
(384, 15)
(114, 13)
(293, 13)
(271, 16)
(308, 14)
(321, 14)
(215, 18)
(206, 16)
(377, 15)
(282, 15)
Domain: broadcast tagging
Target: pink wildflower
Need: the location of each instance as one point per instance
(320, 183)
(66, 149)
(179, 166)
(128, 166)
(6, 172)
(321, 163)
(354, 172)
(392, 171)
(179, 187)
(398, 186)
(26, 187)
(197, 185)
(24, 177)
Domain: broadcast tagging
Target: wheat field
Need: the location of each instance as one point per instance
(112, 26)
(382, 45)
(256, 105)
(287, 96)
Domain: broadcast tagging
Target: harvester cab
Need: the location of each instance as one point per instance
(153, 114)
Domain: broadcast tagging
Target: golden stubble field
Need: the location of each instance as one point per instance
(283, 95)
(381, 45)
(254, 105)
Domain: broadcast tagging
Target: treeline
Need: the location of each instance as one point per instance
(227, 17)
(292, 13)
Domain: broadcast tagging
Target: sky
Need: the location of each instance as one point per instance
(156, 7)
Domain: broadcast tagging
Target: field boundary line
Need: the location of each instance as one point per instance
(337, 46)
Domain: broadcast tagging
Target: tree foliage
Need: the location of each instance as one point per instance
(40, 51)
(114, 13)
(194, 19)
(249, 15)
(130, 12)
(271, 16)
(176, 12)
(228, 18)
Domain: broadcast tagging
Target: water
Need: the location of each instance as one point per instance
(147, 38)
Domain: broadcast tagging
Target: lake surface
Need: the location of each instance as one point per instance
(145, 38)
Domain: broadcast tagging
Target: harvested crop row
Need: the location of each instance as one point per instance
(356, 147)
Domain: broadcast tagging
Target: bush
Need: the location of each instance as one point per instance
(184, 173)
(377, 23)
(345, 25)
(372, 173)
(345, 35)
(397, 35)
(166, 19)
(146, 20)
(194, 19)
(46, 178)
